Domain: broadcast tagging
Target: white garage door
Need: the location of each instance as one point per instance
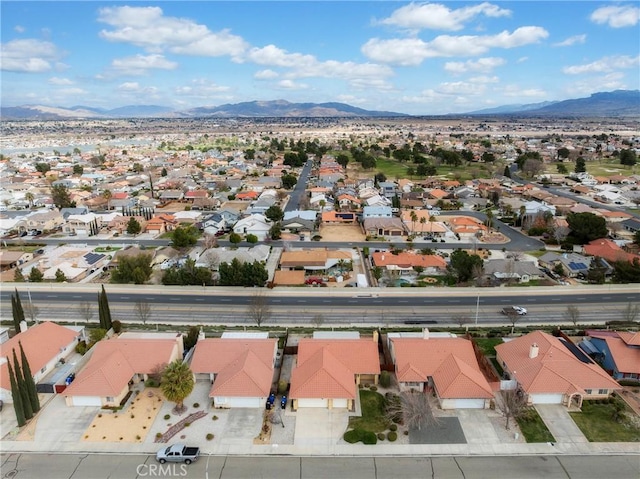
(546, 398)
(467, 403)
(241, 402)
(312, 403)
(340, 403)
(86, 401)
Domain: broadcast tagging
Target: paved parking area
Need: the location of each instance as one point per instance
(319, 426)
(477, 427)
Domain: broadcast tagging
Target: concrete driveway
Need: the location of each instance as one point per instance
(319, 426)
(559, 422)
(477, 427)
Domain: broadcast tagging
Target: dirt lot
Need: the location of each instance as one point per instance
(341, 233)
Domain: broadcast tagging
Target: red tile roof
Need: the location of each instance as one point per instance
(327, 368)
(243, 367)
(450, 362)
(554, 370)
(41, 343)
(607, 249)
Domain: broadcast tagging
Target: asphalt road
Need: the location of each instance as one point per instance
(371, 306)
(125, 466)
(299, 189)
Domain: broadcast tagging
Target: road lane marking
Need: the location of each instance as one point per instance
(199, 299)
(174, 299)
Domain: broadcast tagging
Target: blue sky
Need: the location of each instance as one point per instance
(410, 57)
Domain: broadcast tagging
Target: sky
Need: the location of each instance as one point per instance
(408, 57)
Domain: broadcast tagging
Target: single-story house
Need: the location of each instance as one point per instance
(617, 351)
(405, 261)
(239, 369)
(44, 345)
(118, 362)
(328, 371)
(553, 370)
(384, 227)
(572, 264)
(510, 269)
(445, 365)
(255, 224)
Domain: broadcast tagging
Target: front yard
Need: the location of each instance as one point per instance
(608, 421)
(533, 428)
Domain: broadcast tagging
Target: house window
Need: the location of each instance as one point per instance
(43, 370)
(603, 391)
(588, 391)
(109, 398)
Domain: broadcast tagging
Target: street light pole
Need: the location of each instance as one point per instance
(477, 308)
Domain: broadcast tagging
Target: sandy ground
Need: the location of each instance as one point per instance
(341, 233)
(131, 424)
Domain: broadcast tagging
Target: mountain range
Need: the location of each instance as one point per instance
(603, 104)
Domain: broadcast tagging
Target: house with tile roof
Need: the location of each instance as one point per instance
(445, 366)
(609, 250)
(553, 370)
(240, 370)
(117, 363)
(617, 351)
(313, 259)
(405, 261)
(44, 345)
(328, 371)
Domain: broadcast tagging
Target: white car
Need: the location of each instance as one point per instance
(520, 310)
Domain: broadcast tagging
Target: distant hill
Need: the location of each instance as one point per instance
(253, 109)
(603, 104)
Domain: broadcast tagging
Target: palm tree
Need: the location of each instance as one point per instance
(489, 219)
(414, 218)
(423, 221)
(29, 197)
(432, 220)
(106, 194)
(177, 383)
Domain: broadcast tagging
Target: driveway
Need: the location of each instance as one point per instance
(477, 427)
(319, 426)
(560, 424)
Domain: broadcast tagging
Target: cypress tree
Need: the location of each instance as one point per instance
(19, 312)
(17, 398)
(100, 311)
(14, 311)
(28, 379)
(107, 311)
(24, 395)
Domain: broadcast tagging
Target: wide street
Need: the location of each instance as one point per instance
(129, 466)
(345, 306)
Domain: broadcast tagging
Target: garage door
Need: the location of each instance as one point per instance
(312, 403)
(243, 402)
(86, 401)
(468, 403)
(546, 398)
(340, 403)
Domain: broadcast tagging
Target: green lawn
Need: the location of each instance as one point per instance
(597, 424)
(391, 168)
(533, 428)
(488, 345)
(373, 413)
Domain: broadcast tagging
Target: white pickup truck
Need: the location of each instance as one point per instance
(178, 453)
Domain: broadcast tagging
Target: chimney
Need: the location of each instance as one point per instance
(375, 337)
(533, 351)
(425, 333)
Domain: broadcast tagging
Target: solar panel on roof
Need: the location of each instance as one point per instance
(574, 265)
(92, 258)
(576, 351)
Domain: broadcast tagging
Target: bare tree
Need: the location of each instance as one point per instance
(513, 317)
(461, 319)
(413, 408)
(630, 312)
(209, 241)
(32, 310)
(85, 310)
(317, 320)
(572, 314)
(512, 404)
(259, 310)
(143, 311)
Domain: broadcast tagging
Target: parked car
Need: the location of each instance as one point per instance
(178, 453)
(283, 402)
(69, 379)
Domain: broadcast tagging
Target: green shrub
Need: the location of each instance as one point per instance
(158, 435)
(151, 383)
(210, 437)
(117, 326)
(373, 388)
(215, 418)
(81, 348)
(385, 379)
(392, 436)
(187, 424)
(167, 417)
(369, 437)
(353, 436)
(196, 404)
(381, 436)
(282, 386)
(393, 427)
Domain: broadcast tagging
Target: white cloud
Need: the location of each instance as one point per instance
(440, 17)
(605, 64)
(19, 29)
(29, 56)
(516, 91)
(265, 75)
(202, 88)
(291, 85)
(522, 59)
(461, 88)
(412, 51)
(574, 40)
(140, 64)
(483, 65)
(60, 81)
(148, 28)
(608, 82)
(617, 16)
(484, 79)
